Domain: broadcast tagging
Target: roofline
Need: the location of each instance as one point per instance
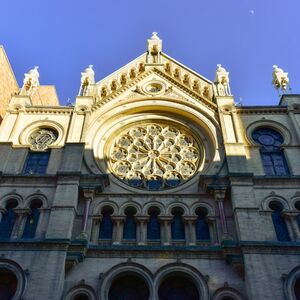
(185, 67)
(118, 70)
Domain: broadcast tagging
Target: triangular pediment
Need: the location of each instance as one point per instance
(178, 82)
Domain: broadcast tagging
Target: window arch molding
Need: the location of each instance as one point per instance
(275, 198)
(16, 269)
(30, 128)
(125, 268)
(81, 289)
(207, 207)
(155, 204)
(268, 124)
(131, 204)
(13, 196)
(33, 197)
(97, 209)
(289, 281)
(185, 270)
(177, 205)
(226, 292)
(294, 200)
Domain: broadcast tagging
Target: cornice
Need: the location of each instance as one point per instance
(262, 110)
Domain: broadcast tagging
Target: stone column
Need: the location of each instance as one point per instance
(41, 228)
(165, 229)
(219, 197)
(141, 236)
(291, 223)
(2, 212)
(22, 214)
(190, 230)
(96, 228)
(118, 229)
(211, 220)
(88, 196)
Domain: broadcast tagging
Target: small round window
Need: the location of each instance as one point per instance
(154, 87)
(42, 138)
(267, 137)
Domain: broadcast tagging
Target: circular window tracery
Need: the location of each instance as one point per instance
(42, 138)
(154, 156)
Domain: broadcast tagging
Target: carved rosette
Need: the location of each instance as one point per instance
(41, 139)
(154, 156)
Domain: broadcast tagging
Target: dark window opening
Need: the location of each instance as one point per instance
(106, 224)
(36, 163)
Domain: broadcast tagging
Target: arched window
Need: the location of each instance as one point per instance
(271, 153)
(128, 287)
(8, 284)
(81, 297)
(176, 287)
(297, 206)
(202, 229)
(177, 226)
(8, 219)
(32, 220)
(129, 231)
(153, 226)
(278, 221)
(106, 225)
(297, 289)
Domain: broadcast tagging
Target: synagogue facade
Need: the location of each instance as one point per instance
(154, 185)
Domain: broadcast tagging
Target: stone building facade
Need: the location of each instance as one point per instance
(154, 185)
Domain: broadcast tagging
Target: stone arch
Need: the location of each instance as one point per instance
(266, 202)
(36, 196)
(126, 205)
(186, 271)
(17, 271)
(268, 124)
(156, 204)
(294, 200)
(23, 137)
(81, 288)
(125, 268)
(227, 292)
(181, 205)
(99, 206)
(209, 208)
(11, 196)
(289, 282)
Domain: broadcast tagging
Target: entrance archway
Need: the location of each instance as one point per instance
(8, 284)
(177, 287)
(128, 287)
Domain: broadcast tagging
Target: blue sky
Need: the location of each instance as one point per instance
(246, 36)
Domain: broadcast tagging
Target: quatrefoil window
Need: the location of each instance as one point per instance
(154, 156)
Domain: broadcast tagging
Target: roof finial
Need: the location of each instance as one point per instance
(280, 79)
(154, 49)
(154, 36)
(31, 81)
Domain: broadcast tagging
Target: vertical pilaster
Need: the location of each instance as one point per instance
(165, 229)
(118, 229)
(190, 230)
(141, 229)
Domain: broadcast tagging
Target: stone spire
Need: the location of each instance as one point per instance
(154, 49)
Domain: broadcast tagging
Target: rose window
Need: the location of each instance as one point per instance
(154, 156)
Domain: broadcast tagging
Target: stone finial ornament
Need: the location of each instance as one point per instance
(222, 81)
(87, 78)
(154, 49)
(31, 81)
(280, 79)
